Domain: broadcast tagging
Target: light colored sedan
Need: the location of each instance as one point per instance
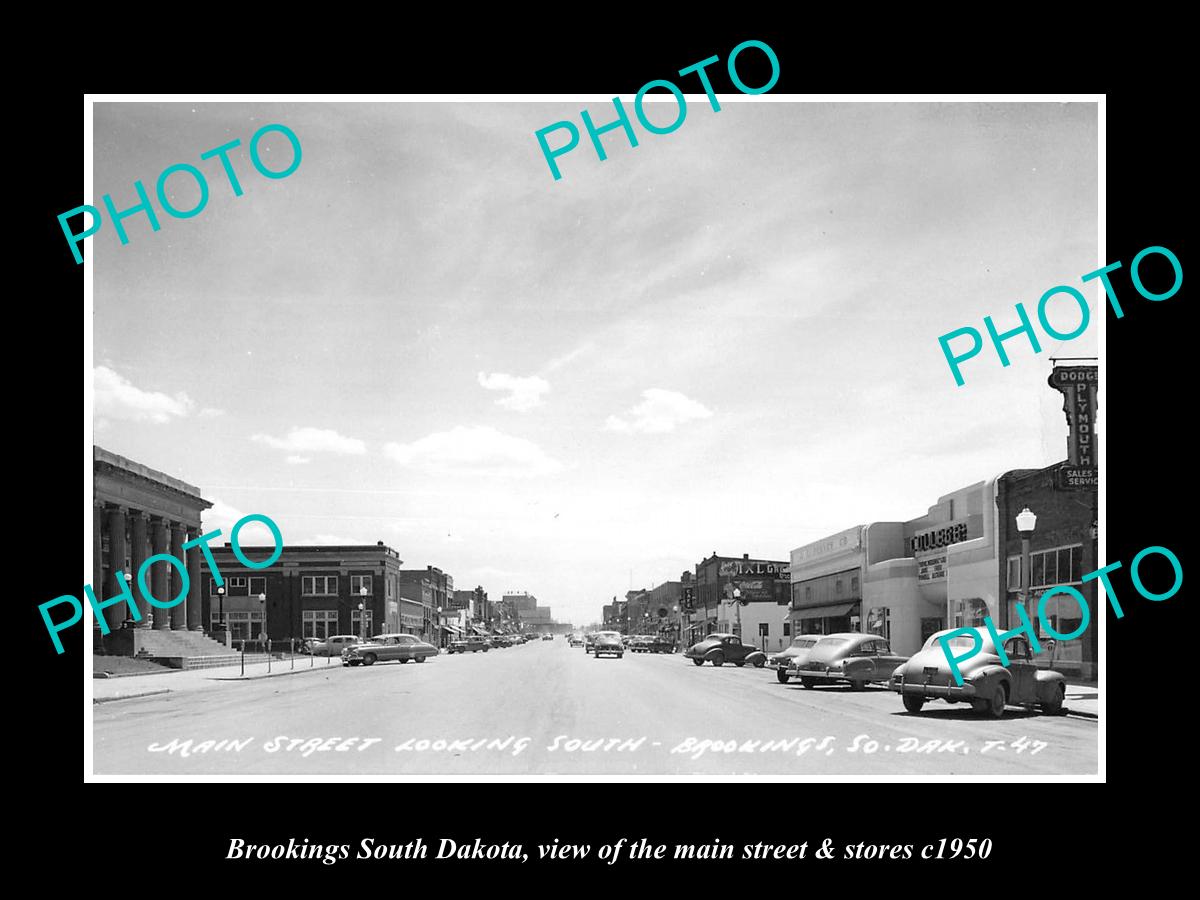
(332, 645)
(850, 657)
(382, 647)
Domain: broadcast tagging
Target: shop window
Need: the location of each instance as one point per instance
(879, 621)
(320, 623)
(930, 627)
(854, 585)
(787, 629)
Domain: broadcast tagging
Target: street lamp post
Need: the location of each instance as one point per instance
(129, 623)
(221, 615)
(1026, 522)
(677, 609)
(438, 627)
(737, 608)
(362, 614)
(262, 602)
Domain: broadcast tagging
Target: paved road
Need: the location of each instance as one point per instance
(546, 708)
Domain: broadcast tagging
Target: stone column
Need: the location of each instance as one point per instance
(114, 584)
(160, 585)
(139, 551)
(195, 618)
(97, 551)
(179, 611)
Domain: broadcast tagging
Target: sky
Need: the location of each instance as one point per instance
(724, 339)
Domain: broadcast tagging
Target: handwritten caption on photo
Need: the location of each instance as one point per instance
(123, 581)
(693, 748)
(448, 848)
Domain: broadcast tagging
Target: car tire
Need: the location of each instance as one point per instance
(997, 702)
(718, 659)
(697, 661)
(759, 663)
(369, 659)
(857, 684)
(403, 661)
(739, 663)
(913, 703)
(809, 683)
(1055, 706)
(421, 658)
(781, 676)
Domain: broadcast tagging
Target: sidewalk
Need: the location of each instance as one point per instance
(184, 680)
(1083, 700)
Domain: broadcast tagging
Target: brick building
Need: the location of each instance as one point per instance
(307, 592)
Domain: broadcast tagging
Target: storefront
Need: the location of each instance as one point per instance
(826, 584)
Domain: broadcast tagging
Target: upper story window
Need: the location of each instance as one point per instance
(358, 582)
(319, 585)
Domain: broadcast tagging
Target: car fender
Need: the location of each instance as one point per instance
(708, 654)
(1046, 682)
(756, 656)
(988, 677)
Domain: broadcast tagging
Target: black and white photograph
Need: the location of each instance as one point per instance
(522, 437)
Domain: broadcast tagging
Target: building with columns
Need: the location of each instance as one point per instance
(138, 512)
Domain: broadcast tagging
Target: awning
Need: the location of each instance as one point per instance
(452, 629)
(482, 632)
(831, 611)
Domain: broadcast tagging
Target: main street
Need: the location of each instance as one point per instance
(545, 708)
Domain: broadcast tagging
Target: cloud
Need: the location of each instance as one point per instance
(659, 412)
(298, 460)
(117, 398)
(313, 440)
(524, 393)
(211, 412)
(318, 540)
(474, 449)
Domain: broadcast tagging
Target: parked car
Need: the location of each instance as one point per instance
(848, 656)
(575, 640)
(797, 650)
(608, 643)
(987, 685)
(720, 648)
(497, 640)
(400, 647)
(332, 645)
(471, 643)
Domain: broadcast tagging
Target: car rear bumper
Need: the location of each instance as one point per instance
(965, 691)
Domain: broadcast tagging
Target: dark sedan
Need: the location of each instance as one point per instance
(847, 657)
(719, 649)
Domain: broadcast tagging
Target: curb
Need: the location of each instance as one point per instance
(1084, 715)
(273, 674)
(130, 696)
(132, 674)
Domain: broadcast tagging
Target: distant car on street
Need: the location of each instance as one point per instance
(608, 643)
(987, 685)
(399, 647)
(850, 657)
(575, 640)
(721, 648)
(332, 645)
(497, 641)
(547, 637)
(797, 650)
(471, 643)
(589, 641)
